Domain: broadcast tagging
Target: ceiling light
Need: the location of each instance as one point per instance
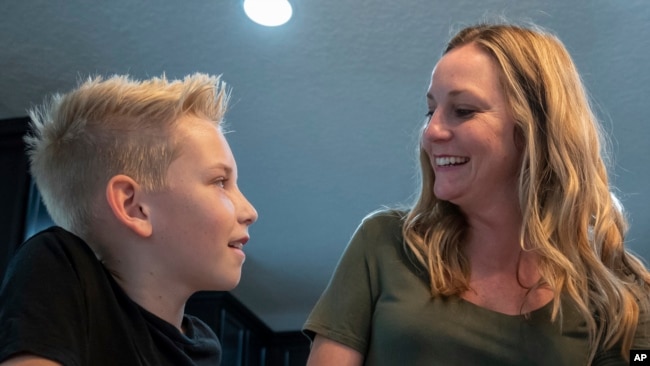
(270, 13)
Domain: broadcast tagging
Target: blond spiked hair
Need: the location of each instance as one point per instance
(105, 127)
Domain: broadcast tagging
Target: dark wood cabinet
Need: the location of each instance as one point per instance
(14, 187)
(245, 339)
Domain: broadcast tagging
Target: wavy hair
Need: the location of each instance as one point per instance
(105, 127)
(569, 216)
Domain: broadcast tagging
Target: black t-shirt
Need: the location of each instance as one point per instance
(59, 302)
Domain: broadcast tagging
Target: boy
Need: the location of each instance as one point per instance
(142, 185)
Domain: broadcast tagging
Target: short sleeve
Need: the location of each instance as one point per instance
(344, 311)
(41, 283)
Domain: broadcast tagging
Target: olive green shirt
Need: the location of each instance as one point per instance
(379, 304)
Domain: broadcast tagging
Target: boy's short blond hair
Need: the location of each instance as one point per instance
(112, 126)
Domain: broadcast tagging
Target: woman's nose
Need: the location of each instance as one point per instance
(436, 129)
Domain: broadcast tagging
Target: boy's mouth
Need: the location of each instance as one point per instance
(236, 245)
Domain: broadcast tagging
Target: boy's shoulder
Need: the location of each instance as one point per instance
(58, 294)
(52, 235)
(57, 243)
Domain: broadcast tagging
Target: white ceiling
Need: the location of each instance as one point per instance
(326, 108)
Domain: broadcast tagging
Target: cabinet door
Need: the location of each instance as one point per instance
(254, 349)
(232, 337)
(14, 187)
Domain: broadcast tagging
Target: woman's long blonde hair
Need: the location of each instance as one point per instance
(569, 216)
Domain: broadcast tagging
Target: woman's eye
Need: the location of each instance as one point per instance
(462, 112)
(221, 183)
(430, 111)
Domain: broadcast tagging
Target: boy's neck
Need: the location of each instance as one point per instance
(140, 276)
(154, 298)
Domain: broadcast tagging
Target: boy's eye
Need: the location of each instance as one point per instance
(220, 183)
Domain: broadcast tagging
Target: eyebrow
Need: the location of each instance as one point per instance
(221, 166)
(452, 93)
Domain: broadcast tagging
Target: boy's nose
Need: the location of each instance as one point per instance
(247, 213)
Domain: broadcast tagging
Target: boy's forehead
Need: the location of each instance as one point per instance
(189, 125)
(194, 133)
(194, 120)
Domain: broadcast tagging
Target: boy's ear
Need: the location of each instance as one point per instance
(125, 198)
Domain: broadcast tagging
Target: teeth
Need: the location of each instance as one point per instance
(236, 245)
(451, 160)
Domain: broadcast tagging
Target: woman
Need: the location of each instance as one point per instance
(513, 253)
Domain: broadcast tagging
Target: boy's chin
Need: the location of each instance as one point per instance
(229, 285)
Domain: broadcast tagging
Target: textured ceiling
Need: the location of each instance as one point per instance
(325, 110)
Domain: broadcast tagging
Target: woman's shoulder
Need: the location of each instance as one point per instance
(384, 218)
(382, 228)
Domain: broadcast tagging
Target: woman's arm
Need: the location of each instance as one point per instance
(325, 352)
(28, 360)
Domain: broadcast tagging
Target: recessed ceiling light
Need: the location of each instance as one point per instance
(270, 13)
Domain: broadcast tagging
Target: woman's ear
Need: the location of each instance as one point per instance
(125, 198)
